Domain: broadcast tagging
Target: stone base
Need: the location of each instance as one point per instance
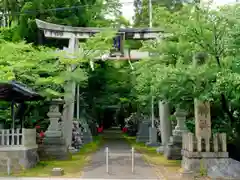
(186, 174)
(73, 150)
(53, 148)
(19, 158)
(173, 151)
(57, 172)
(53, 133)
(153, 144)
(215, 167)
(200, 155)
(217, 164)
(160, 149)
(142, 139)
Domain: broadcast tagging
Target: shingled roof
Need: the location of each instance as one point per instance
(17, 92)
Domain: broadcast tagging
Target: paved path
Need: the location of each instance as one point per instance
(120, 161)
(51, 178)
(120, 164)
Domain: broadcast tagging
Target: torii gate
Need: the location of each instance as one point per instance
(74, 34)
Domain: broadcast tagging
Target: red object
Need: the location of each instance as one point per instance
(38, 127)
(41, 134)
(100, 129)
(124, 130)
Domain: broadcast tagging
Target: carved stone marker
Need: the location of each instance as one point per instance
(197, 153)
(143, 131)
(202, 123)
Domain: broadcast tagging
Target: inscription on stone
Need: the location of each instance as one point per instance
(202, 119)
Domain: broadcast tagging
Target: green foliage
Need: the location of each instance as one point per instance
(6, 33)
(47, 70)
(203, 170)
(141, 18)
(22, 15)
(207, 36)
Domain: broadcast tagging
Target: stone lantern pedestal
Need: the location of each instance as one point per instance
(54, 146)
(173, 148)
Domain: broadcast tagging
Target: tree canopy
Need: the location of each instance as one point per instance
(20, 16)
(206, 35)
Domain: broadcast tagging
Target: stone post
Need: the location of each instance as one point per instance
(152, 130)
(69, 98)
(54, 144)
(165, 124)
(143, 131)
(173, 149)
(202, 123)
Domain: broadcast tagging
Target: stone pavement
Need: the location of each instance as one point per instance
(52, 178)
(120, 161)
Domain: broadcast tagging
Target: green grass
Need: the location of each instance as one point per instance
(151, 156)
(72, 167)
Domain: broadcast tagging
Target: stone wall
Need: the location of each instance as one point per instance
(20, 158)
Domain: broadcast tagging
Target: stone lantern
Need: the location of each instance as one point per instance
(173, 149)
(54, 129)
(180, 115)
(54, 145)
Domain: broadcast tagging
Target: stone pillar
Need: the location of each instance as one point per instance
(165, 124)
(202, 124)
(152, 130)
(54, 144)
(153, 137)
(173, 149)
(69, 98)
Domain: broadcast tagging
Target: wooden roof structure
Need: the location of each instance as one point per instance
(17, 92)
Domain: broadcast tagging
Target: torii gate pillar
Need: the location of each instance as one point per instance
(68, 112)
(73, 47)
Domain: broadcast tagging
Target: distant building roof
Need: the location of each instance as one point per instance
(18, 92)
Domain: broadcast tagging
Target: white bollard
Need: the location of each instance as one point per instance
(132, 159)
(107, 156)
(9, 166)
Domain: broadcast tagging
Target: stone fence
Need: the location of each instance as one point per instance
(17, 137)
(217, 143)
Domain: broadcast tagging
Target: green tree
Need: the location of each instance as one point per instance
(70, 12)
(210, 37)
(141, 17)
(45, 69)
